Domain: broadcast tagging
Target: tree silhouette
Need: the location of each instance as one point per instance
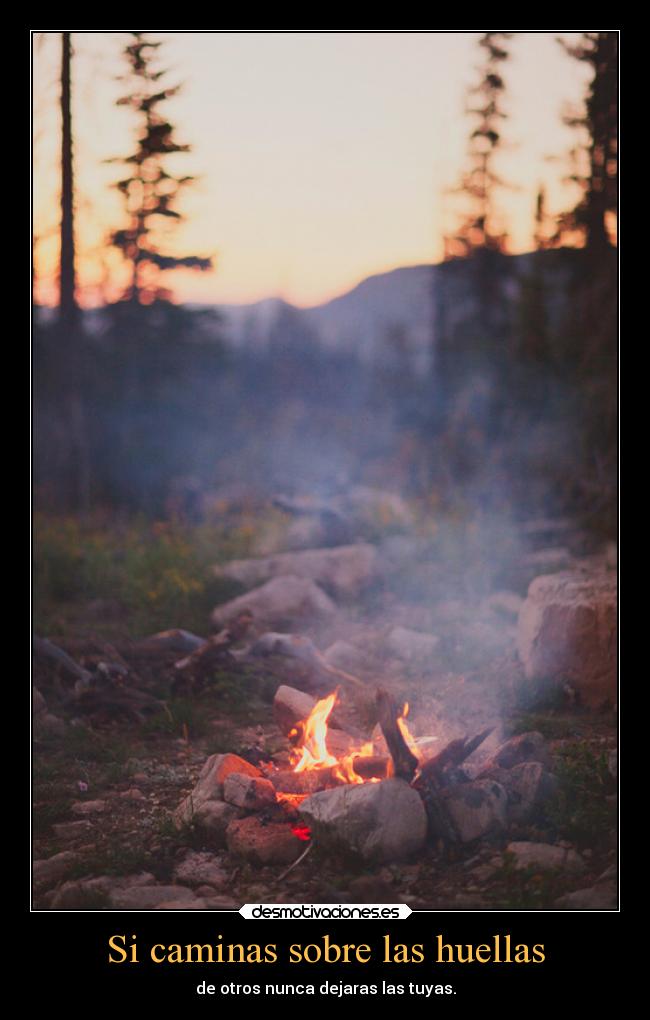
(68, 313)
(594, 158)
(479, 227)
(150, 191)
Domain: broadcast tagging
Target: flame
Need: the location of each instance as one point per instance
(406, 733)
(312, 751)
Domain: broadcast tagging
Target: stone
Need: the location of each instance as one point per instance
(476, 809)
(263, 843)
(181, 642)
(545, 857)
(528, 785)
(343, 655)
(88, 807)
(524, 747)
(412, 645)
(602, 896)
(278, 602)
(201, 869)
(213, 820)
(379, 822)
(506, 603)
(567, 634)
(182, 904)
(342, 571)
(149, 897)
(83, 893)
(47, 873)
(45, 723)
(291, 706)
(71, 830)
(248, 792)
(209, 791)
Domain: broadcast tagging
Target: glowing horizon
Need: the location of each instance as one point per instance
(323, 158)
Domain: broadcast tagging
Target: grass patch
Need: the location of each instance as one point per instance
(157, 574)
(527, 888)
(581, 811)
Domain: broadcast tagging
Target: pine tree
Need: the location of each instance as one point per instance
(479, 229)
(68, 309)
(150, 191)
(594, 158)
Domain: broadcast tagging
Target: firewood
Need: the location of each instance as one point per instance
(404, 761)
(307, 782)
(371, 766)
(452, 755)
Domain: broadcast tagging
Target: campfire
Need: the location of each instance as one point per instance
(381, 798)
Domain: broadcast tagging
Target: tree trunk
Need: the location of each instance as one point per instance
(68, 309)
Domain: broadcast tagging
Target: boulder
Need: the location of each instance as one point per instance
(84, 893)
(204, 806)
(545, 857)
(379, 822)
(263, 843)
(278, 602)
(200, 869)
(524, 747)
(291, 706)
(528, 785)
(602, 896)
(567, 634)
(412, 645)
(343, 655)
(476, 809)
(150, 897)
(342, 571)
(47, 873)
(248, 792)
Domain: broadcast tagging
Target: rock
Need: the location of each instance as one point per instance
(45, 723)
(378, 821)
(291, 706)
(182, 904)
(506, 603)
(342, 571)
(343, 655)
(545, 857)
(517, 750)
(278, 602)
(476, 809)
(84, 893)
(602, 896)
(88, 807)
(71, 830)
(375, 508)
(201, 869)
(248, 792)
(567, 634)
(48, 872)
(181, 642)
(149, 897)
(213, 819)
(528, 785)
(271, 843)
(132, 794)
(412, 645)
(201, 805)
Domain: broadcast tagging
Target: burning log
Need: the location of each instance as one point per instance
(371, 766)
(307, 782)
(404, 761)
(451, 757)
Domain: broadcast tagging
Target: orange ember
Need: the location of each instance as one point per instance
(303, 832)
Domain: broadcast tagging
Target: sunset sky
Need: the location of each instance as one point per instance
(323, 157)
